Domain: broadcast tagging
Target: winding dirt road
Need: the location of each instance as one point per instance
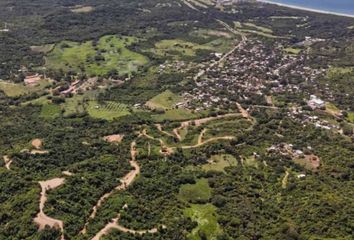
(115, 225)
(42, 219)
(125, 182)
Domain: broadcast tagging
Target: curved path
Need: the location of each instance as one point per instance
(115, 225)
(42, 219)
(125, 182)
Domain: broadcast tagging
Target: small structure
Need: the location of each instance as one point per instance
(315, 102)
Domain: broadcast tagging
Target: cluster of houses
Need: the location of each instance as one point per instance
(252, 72)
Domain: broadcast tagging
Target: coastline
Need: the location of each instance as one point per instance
(307, 9)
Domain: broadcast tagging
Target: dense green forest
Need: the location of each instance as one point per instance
(114, 120)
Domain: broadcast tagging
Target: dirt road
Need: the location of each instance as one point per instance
(125, 182)
(115, 225)
(42, 219)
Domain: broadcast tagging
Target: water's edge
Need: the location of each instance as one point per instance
(307, 8)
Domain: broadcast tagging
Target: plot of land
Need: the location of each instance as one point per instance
(220, 162)
(18, 89)
(175, 115)
(109, 54)
(108, 110)
(165, 100)
(177, 47)
(50, 111)
(195, 193)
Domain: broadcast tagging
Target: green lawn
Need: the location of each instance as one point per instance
(195, 193)
(206, 217)
(109, 54)
(219, 162)
(108, 110)
(165, 100)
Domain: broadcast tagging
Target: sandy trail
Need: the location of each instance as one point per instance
(8, 162)
(284, 182)
(115, 225)
(42, 219)
(244, 112)
(201, 121)
(201, 135)
(159, 127)
(208, 141)
(125, 182)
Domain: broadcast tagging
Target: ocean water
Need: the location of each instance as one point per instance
(335, 6)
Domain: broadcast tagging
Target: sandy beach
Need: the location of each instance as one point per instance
(307, 9)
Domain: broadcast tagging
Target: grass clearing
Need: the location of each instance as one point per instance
(109, 54)
(262, 29)
(195, 193)
(179, 114)
(108, 110)
(206, 217)
(165, 100)
(50, 111)
(332, 109)
(220, 162)
(177, 47)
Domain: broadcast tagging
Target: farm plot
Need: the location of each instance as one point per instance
(107, 110)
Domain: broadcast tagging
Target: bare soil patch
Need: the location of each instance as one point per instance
(115, 138)
(37, 143)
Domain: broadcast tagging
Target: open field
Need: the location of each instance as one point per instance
(175, 115)
(110, 54)
(50, 111)
(206, 217)
(220, 162)
(108, 110)
(195, 193)
(165, 100)
(177, 47)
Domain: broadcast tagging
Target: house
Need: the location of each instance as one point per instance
(315, 102)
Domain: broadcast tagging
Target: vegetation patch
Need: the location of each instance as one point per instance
(109, 54)
(220, 162)
(200, 192)
(206, 217)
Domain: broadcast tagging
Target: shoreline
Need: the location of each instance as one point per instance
(307, 9)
